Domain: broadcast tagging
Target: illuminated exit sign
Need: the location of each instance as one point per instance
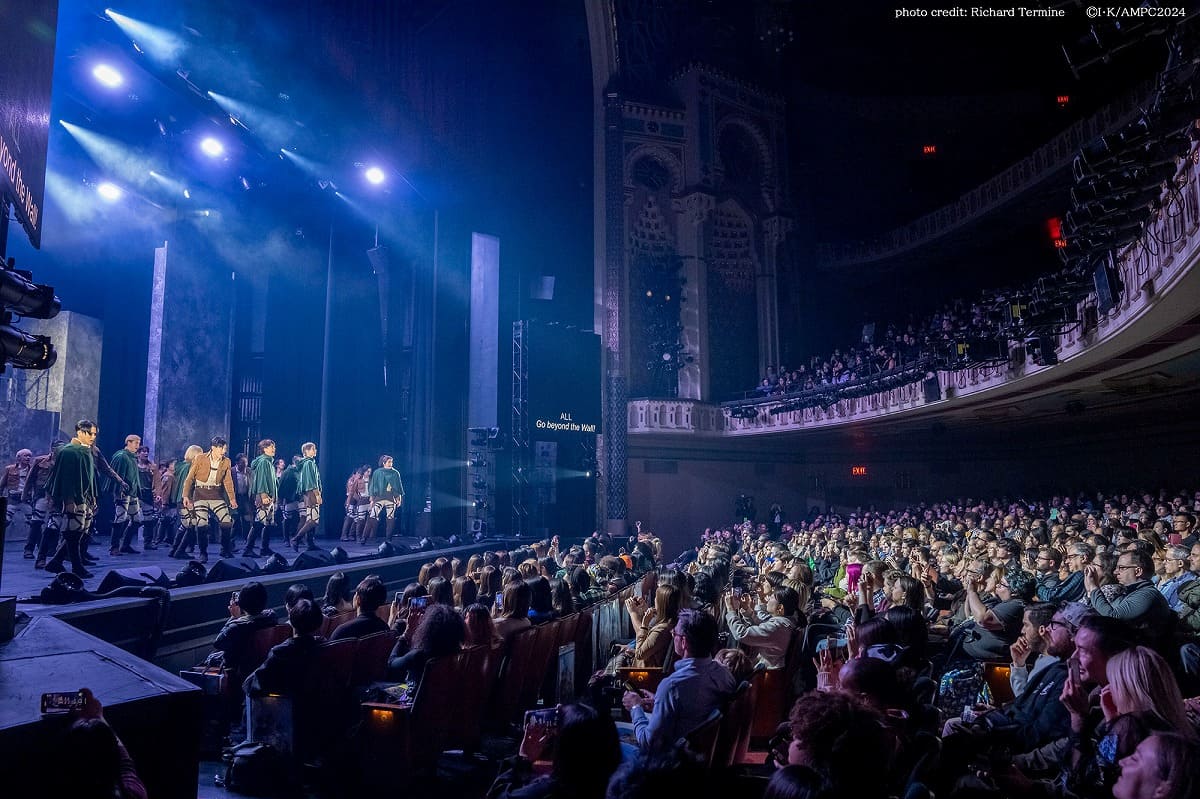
(858, 471)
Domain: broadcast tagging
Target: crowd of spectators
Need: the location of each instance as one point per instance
(963, 648)
(899, 345)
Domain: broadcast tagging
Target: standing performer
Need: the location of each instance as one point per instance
(107, 480)
(241, 486)
(353, 488)
(12, 485)
(43, 529)
(168, 514)
(264, 487)
(387, 496)
(185, 534)
(308, 485)
(127, 502)
(148, 495)
(289, 501)
(72, 490)
(208, 490)
(361, 503)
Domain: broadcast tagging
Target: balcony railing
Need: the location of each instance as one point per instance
(1149, 269)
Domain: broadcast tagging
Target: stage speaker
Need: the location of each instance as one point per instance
(232, 569)
(433, 542)
(339, 555)
(276, 564)
(390, 549)
(193, 573)
(406, 544)
(136, 576)
(933, 389)
(312, 559)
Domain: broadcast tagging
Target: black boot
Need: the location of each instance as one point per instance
(48, 545)
(266, 545)
(128, 538)
(202, 543)
(35, 538)
(226, 539)
(248, 551)
(177, 544)
(74, 552)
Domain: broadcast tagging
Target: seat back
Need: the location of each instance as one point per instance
(331, 623)
(733, 736)
(996, 676)
(702, 741)
(262, 642)
(371, 657)
(545, 647)
(322, 708)
(513, 670)
(583, 649)
(469, 703)
(609, 618)
(437, 701)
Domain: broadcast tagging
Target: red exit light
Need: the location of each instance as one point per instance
(1063, 99)
(1054, 228)
(858, 471)
(929, 149)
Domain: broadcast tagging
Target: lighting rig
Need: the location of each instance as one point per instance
(21, 297)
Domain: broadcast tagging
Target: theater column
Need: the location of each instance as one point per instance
(189, 368)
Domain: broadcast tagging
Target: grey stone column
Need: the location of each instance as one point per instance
(775, 230)
(693, 212)
(189, 373)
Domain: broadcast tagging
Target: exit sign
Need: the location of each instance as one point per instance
(858, 471)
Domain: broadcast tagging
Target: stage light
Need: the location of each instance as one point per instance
(160, 44)
(375, 175)
(110, 192)
(19, 293)
(212, 148)
(23, 350)
(107, 76)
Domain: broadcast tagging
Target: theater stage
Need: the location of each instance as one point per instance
(176, 631)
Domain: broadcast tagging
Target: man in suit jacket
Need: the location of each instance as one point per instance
(208, 491)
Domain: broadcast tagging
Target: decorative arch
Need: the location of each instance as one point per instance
(762, 145)
(662, 156)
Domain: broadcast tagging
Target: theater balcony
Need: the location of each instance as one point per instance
(1144, 345)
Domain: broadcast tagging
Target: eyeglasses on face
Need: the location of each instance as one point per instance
(1126, 566)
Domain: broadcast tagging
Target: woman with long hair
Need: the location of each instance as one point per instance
(465, 592)
(1164, 766)
(1140, 681)
(481, 630)
(441, 632)
(440, 591)
(653, 627)
(560, 594)
(514, 610)
(338, 595)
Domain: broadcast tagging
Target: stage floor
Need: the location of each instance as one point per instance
(20, 579)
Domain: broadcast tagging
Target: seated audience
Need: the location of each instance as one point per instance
(248, 613)
(338, 598)
(440, 632)
(690, 694)
(584, 750)
(369, 596)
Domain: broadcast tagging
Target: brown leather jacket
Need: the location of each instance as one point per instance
(201, 466)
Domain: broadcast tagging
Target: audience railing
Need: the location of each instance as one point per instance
(1149, 270)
